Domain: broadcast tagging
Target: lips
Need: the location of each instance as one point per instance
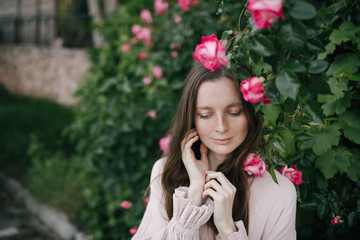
(222, 141)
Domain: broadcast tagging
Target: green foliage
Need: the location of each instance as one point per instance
(310, 62)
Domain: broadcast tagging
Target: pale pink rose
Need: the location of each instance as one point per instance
(265, 12)
(125, 48)
(147, 200)
(174, 54)
(133, 230)
(146, 80)
(142, 55)
(145, 15)
(254, 165)
(266, 100)
(335, 220)
(164, 144)
(292, 174)
(157, 72)
(135, 28)
(133, 40)
(211, 53)
(151, 114)
(161, 6)
(145, 35)
(252, 89)
(125, 204)
(177, 19)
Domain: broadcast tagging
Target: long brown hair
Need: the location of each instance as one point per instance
(175, 174)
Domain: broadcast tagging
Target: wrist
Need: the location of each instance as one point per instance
(195, 193)
(226, 229)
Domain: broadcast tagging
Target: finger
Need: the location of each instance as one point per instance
(227, 185)
(216, 186)
(209, 192)
(187, 137)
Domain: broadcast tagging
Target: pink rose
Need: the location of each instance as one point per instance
(125, 204)
(335, 220)
(164, 144)
(211, 53)
(146, 80)
(133, 230)
(151, 114)
(266, 100)
(142, 55)
(125, 48)
(147, 200)
(161, 7)
(293, 174)
(265, 12)
(174, 54)
(145, 15)
(252, 89)
(254, 165)
(175, 46)
(133, 40)
(145, 35)
(157, 71)
(135, 28)
(177, 19)
(185, 4)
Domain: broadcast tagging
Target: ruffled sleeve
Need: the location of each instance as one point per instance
(239, 235)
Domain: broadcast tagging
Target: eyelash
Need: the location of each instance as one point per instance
(233, 114)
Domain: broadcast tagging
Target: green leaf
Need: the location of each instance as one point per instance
(294, 65)
(317, 66)
(350, 122)
(274, 95)
(338, 106)
(226, 34)
(261, 67)
(271, 113)
(352, 219)
(262, 46)
(338, 91)
(293, 37)
(273, 175)
(318, 85)
(302, 10)
(343, 157)
(314, 109)
(353, 171)
(322, 138)
(330, 48)
(321, 210)
(344, 63)
(287, 83)
(347, 31)
(326, 164)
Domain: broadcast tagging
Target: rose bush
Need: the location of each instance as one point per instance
(307, 54)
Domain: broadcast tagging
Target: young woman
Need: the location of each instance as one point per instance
(201, 190)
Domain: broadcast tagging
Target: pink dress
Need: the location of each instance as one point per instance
(272, 212)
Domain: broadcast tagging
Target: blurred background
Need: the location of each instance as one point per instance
(88, 88)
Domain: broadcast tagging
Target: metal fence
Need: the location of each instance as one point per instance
(70, 30)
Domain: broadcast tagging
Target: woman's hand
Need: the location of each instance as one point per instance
(220, 189)
(195, 168)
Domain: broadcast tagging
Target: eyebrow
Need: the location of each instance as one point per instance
(238, 104)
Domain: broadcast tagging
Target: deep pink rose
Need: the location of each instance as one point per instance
(133, 230)
(174, 54)
(266, 100)
(145, 35)
(185, 4)
(125, 204)
(145, 15)
(151, 114)
(157, 72)
(142, 55)
(265, 12)
(252, 89)
(335, 220)
(164, 144)
(211, 53)
(293, 174)
(146, 80)
(177, 19)
(194, 2)
(125, 48)
(161, 7)
(147, 200)
(254, 165)
(135, 28)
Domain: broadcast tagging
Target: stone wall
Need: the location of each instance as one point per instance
(50, 73)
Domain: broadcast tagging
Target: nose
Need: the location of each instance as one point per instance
(222, 124)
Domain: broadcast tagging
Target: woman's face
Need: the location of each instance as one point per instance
(220, 119)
